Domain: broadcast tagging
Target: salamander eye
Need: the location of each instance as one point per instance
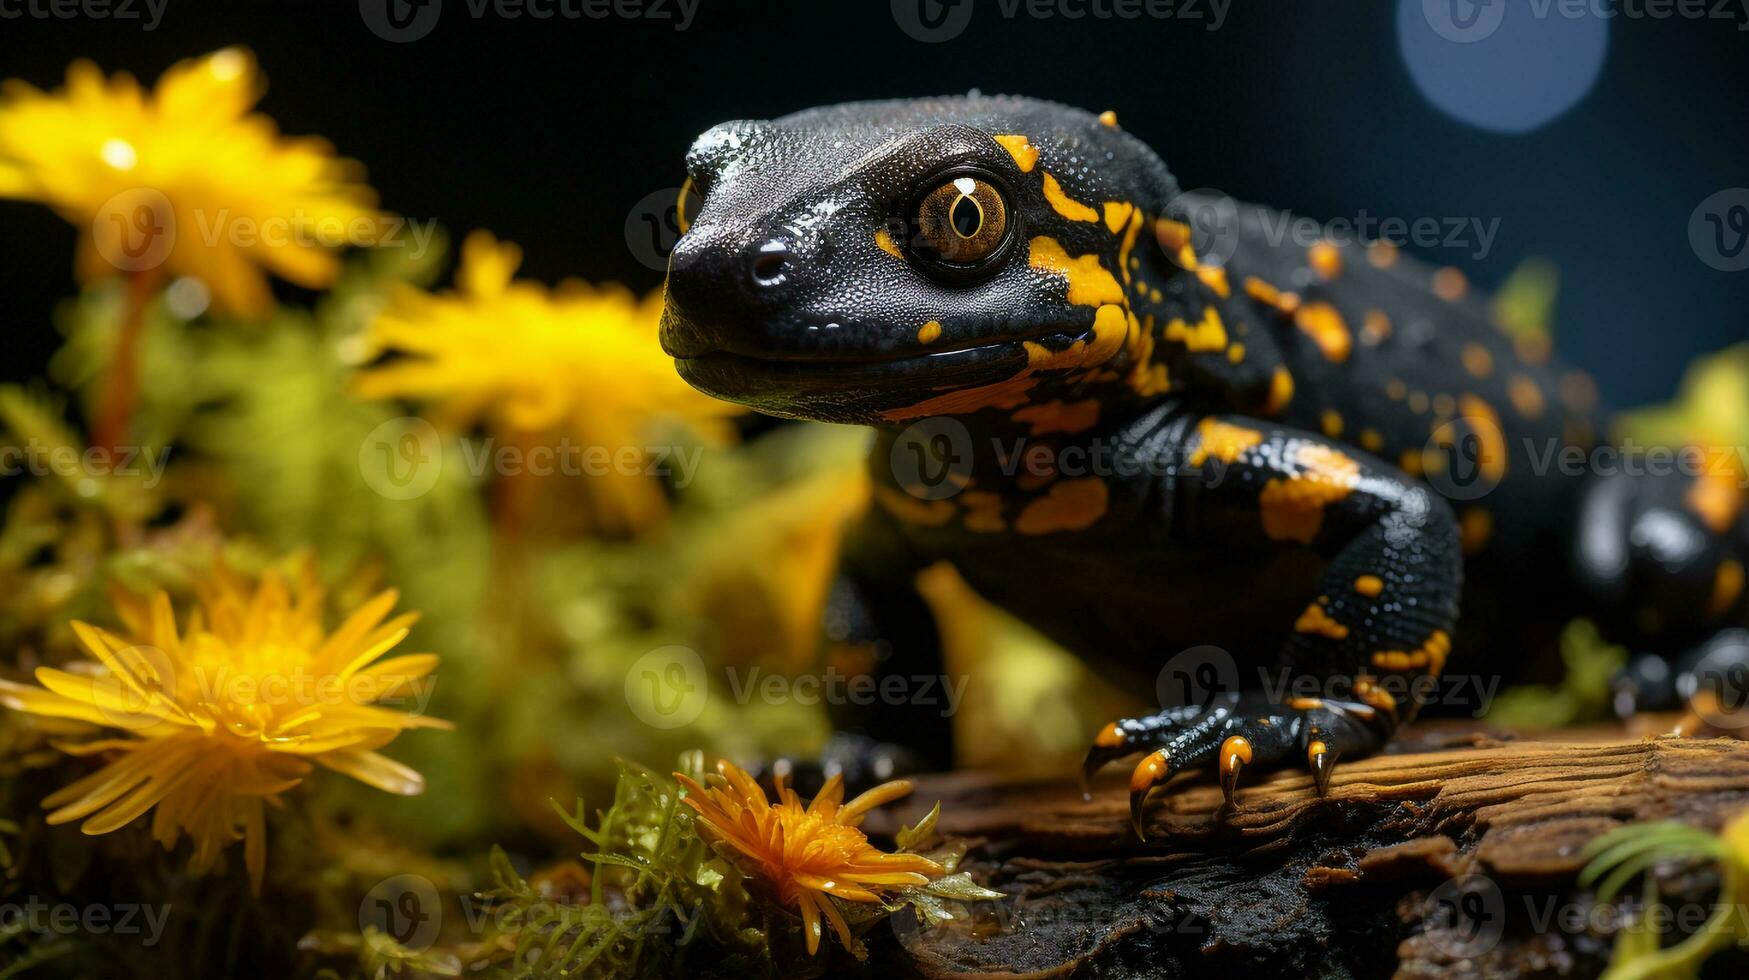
(686, 206)
(961, 224)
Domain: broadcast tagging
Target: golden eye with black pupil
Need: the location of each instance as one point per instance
(961, 223)
(686, 206)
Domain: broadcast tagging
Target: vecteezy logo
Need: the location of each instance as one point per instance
(653, 228)
(666, 688)
(1717, 688)
(405, 908)
(1213, 218)
(135, 229)
(1465, 917)
(402, 458)
(400, 21)
(1464, 21)
(1718, 230)
(1196, 677)
(1465, 458)
(932, 459)
(134, 698)
(932, 21)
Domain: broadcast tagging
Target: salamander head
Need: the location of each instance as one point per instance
(884, 261)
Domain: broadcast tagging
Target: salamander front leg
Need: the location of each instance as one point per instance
(1379, 626)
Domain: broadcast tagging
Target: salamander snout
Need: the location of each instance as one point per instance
(725, 288)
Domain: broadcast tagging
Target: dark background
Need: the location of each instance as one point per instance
(549, 132)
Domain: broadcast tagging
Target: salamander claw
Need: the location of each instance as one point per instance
(1237, 733)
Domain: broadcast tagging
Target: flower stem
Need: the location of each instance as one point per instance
(121, 385)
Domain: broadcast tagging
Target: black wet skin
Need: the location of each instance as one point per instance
(1284, 530)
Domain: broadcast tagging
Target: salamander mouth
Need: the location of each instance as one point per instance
(834, 342)
(823, 384)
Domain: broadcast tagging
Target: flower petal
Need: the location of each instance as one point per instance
(376, 770)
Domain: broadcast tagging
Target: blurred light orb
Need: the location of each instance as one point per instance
(1503, 65)
(187, 298)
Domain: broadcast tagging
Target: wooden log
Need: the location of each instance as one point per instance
(1453, 855)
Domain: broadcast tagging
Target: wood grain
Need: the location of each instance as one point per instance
(1287, 883)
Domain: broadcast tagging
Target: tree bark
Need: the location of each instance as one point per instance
(1455, 854)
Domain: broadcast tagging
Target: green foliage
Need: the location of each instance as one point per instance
(1582, 695)
(659, 902)
(1616, 858)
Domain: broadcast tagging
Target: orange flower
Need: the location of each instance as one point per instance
(812, 853)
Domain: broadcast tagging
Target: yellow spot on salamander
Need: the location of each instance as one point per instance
(1174, 236)
(1056, 416)
(884, 240)
(1431, 656)
(1444, 405)
(1281, 391)
(1318, 622)
(1117, 215)
(1222, 440)
(929, 333)
(1325, 260)
(1449, 283)
(1475, 529)
(927, 513)
(1727, 586)
(1478, 360)
(1066, 206)
(1070, 505)
(1332, 421)
(1269, 295)
(1212, 276)
(1090, 283)
(1396, 390)
(1368, 690)
(1371, 441)
(1108, 118)
(1382, 255)
(1369, 585)
(1109, 737)
(1146, 377)
(1490, 438)
(1209, 334)
(1432, 462)
(1326, 328)
(1024, 153)
(1293, 507)
(1236, 353)
(1526, 395)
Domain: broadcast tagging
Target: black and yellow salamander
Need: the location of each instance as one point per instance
(1150, 431)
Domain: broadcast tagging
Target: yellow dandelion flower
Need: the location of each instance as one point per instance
(808, 854)
(185, 179)
(578, 362)
(229, 712)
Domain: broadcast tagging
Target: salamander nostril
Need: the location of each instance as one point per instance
(771, 264)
